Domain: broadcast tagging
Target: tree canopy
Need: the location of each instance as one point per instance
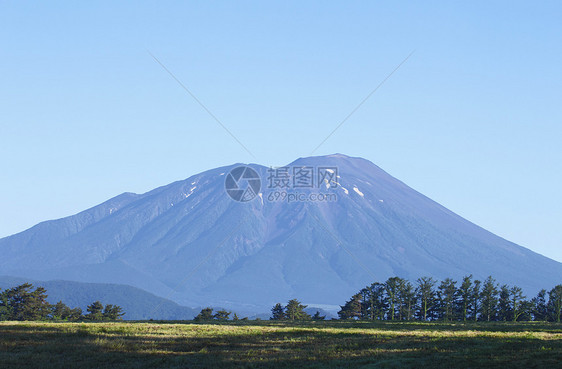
(428, 299)
(25, 302)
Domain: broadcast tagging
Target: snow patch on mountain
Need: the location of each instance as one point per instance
(358, 192)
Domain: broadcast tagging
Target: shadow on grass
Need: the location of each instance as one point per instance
(389, 325)
(273, 344)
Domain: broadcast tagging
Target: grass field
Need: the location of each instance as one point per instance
(256, 344)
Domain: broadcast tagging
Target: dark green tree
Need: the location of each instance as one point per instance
(518, 304)
(464, 295)
(60, 311)
(407, 301)
(75, 315)
(24, 303)
(222, 315)
(317, 316)
(37, 307)
(539, 306)
(5, 308)
(351, 309)
(365, 303)
(278, 312)
(489, 299)
(235, 317)
(393, 287)
(504, 304)
(447, 294)
(295, 310)
(555, 303)
(206, 314)
(526, 309)
(475, 301)
(373, 301)
(112, 312)
(95, 311)
(426, 297)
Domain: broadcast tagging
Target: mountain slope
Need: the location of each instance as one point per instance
(190, 237)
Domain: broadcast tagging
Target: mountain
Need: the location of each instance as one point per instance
(136, 303)
(191, 241)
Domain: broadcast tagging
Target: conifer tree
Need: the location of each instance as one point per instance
(518, 304)
(24, 303)
(5, 308)
(60, 311)
(555, 303)
(489, 299)
(317, 316)
(222, 315)
(447, 299)
(407, 301)
(539, 306)
(278, 312)
(475, 301)
(95, 311)
(351, 309)
(504, 304)
(393, 287)
(464, 293)
(112, 312)
(373, 302)
(75, 315)
(426, 297)
(295, 310)
(205, 314)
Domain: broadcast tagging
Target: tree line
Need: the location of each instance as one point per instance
(429, 300)
(396, 299)
(294, 310)
(26, 303)
(447, 300)
(208, 314)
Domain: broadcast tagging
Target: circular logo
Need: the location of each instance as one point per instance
(242, 184)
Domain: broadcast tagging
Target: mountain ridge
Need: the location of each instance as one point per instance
(189, 239)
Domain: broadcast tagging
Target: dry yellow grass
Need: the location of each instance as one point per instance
(273, 344)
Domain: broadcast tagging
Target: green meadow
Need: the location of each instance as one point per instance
(266, 344)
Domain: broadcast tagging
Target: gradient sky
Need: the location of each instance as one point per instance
(473, 119)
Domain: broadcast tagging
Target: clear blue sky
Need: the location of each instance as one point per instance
(473, 119)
